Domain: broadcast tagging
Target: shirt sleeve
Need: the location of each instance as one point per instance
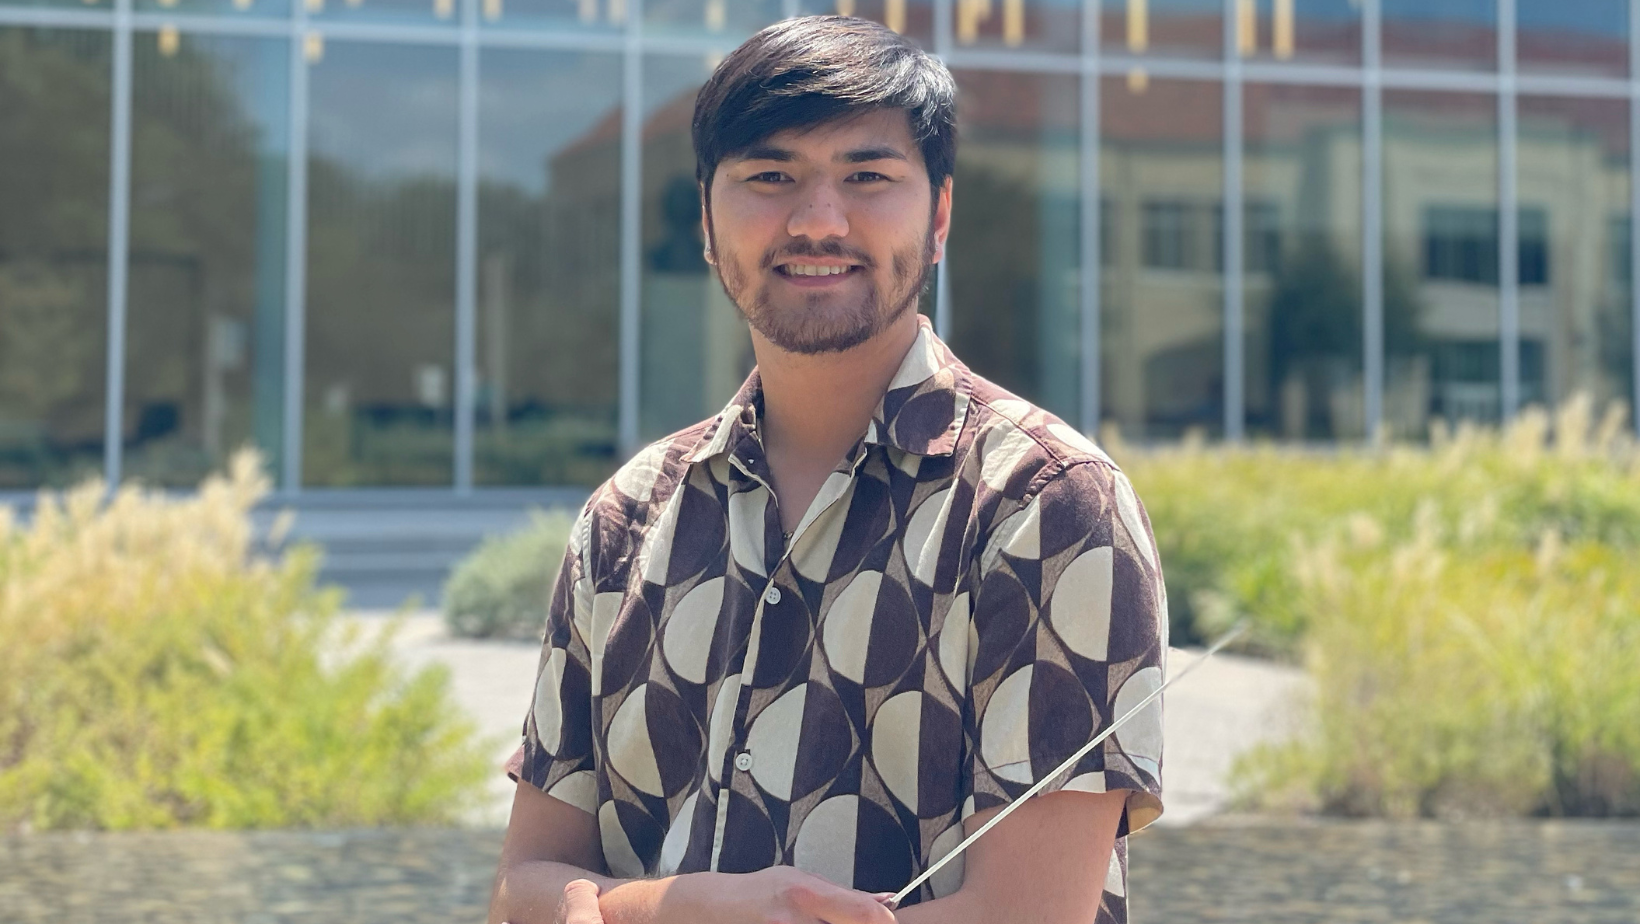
(1069, 633)
(556, 755)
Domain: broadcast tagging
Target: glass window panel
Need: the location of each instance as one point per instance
(593, 15)
(696, 350)
(1015, 235)
(548, 267)
(1166, 28)
(243, 8)
(1302, 250)
(1443, 34)
(1045, 25)
(421, 12)
(205, 335)
(1306, 31)
(54, 144)
(1440, 259)
(733, 19)
(1162, 298)
(1576, 309)
(380, 266)
(1584, 37)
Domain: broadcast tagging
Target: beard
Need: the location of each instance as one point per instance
(815, 323)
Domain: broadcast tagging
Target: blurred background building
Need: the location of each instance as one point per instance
(440, 259)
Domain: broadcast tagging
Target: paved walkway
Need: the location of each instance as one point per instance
(1231, 704)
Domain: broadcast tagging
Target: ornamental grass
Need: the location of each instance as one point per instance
(1468, 610)
(160, 670)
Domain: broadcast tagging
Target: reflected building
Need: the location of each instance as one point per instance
(455, 245)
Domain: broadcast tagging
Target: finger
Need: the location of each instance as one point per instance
(837, 905)
(886, 899)
(580, 905)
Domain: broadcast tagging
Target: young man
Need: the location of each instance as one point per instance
(796, 650)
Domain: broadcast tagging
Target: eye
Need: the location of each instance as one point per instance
(767, 176)
(868, 176)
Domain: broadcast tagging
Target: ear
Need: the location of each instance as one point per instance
(942, 219)
(706, 223)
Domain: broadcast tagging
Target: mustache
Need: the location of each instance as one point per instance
(833, 249)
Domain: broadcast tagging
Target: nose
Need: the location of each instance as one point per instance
(818, 214)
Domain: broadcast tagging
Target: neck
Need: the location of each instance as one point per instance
(815, 407)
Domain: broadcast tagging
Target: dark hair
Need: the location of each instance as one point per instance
(807, 71)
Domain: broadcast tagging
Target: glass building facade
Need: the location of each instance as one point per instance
(454, 244)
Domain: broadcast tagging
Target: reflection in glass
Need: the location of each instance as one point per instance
(1047, 25)
(1166, 28)
(1584, 37)
(242, 8)
(381, 266)
(1307, 31)
(1442, 34)
(1014, 236)
(1576, 313)
(54, 118)
(695, 347)
(1302, 266)
(421, 12)
(1440, 259)
(598, 15)
(205, 339)
(734, 19)
(549, 267)
(1162, 317)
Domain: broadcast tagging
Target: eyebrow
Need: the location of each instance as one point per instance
(858, 156)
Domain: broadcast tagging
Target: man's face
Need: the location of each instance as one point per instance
(823, 236)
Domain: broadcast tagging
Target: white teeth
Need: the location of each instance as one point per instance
(803, 269)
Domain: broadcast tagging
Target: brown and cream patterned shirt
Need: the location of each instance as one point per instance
(973, 594)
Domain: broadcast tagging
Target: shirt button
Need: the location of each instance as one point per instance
(772, 596)
(743, 761)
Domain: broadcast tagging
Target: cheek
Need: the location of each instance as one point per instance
(747, 228)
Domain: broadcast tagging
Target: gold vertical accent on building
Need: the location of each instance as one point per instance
(1138, 26)
(845, 7)
(1138, 80)
(894, 14)
(241, 5)
(617, 11)
(315, 6)
(1013, 23)
(1246, 27)
(717, 13)
(970, 13)
(168, 4)
(169, 40)
(1282, 41)
(313, 47)
(444, 9)
(492, 10)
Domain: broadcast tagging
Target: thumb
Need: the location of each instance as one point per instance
(580, 904)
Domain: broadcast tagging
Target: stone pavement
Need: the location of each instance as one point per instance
(1230, 705)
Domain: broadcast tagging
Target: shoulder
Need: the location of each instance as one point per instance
(1020, 448)
(625, 503)
(1047, 486)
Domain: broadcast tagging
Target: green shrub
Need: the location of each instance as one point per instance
(156, 673)
(502, 589)
(1454, 678)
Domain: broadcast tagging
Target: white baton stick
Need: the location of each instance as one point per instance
(1070, 762)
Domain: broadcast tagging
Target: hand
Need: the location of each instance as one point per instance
(783, 895)
(580, 904)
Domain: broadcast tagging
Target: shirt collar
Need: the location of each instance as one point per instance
(922, 412)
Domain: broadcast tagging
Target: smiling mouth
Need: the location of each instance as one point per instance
(814, 270)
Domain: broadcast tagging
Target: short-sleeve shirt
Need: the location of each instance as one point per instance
(973, 594)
